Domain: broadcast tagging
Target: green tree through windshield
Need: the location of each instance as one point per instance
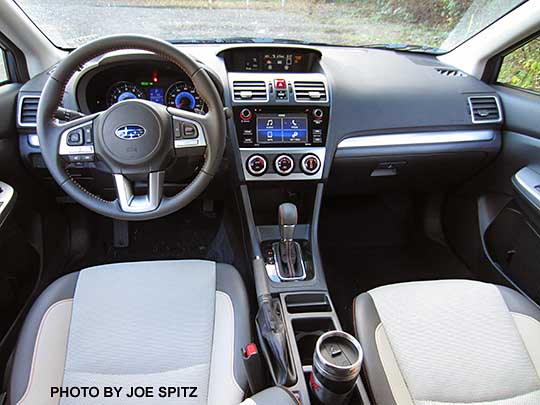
(439, 23)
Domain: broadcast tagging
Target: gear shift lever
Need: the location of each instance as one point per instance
(288, 218)
(287, 252)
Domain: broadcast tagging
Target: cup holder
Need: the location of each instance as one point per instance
(307, 332)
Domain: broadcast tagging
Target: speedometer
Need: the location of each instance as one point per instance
(121, 91)
(183, 95)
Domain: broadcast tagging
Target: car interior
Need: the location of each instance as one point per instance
(247, 221)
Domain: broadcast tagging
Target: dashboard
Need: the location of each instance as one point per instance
(156, 81)
(359, 117)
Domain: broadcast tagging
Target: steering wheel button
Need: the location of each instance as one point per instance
(88, 135)
(189, 131)
(75, 138)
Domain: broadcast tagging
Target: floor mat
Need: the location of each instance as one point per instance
(187, 234)
(370, 242)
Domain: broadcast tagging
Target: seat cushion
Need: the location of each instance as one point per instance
(168, 323)
(449, 342)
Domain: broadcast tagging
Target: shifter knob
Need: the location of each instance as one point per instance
(288, 218)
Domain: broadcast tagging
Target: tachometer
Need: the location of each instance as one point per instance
(183, 95)
(121, 91)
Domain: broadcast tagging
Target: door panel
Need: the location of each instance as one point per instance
(509, 207)
(19, 261)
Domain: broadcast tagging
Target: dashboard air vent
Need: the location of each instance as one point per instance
(485, 109)
(28, 111)
(450, 72)
(250, 90)
(310, 91)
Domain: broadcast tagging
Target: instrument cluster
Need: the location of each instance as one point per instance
(159, 82)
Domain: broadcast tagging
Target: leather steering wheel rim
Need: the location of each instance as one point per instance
(50, 131)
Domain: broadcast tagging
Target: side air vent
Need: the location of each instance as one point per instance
(250, 91)
(28, 111)
(310, 91)
(485, 109)
(450, 72)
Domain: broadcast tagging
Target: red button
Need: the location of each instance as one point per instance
(251, 349)
(280, 84)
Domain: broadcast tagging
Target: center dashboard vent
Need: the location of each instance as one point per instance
(310, 91)
(485, 109)
(28, 111)
(250, 90)
(450, 72)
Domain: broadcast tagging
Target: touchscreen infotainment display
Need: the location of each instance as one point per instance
(282, 128)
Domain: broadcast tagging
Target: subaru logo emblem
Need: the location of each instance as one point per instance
(130, 132)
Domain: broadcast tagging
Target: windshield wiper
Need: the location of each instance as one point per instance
(406, 48)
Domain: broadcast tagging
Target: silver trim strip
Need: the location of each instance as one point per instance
(527, 180)
(19, 112)
(485, 121)
(246, 153)
(66, 149)
(139, 203)
(418, 138)
(299, 257)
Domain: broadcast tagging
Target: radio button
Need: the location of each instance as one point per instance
(284, 165)
(318, 113)
(310, 164)
(246, 114)
(256, 165)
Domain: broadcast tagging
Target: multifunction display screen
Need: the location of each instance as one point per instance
(282, 128)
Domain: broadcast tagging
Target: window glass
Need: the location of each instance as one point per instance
(4, 77)
(433, 26)
(521, 67)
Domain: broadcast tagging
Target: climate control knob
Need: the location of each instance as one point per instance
(310, 164)
(256, 165)
(284, 164)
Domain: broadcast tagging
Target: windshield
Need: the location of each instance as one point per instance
(431, 25)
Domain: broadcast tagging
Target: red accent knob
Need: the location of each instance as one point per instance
(246, 114)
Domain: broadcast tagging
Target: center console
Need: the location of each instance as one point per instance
(281, 106)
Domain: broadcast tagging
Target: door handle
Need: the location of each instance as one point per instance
(7, 199)
(527, 183)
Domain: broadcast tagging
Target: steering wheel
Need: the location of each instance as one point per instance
(135, 140)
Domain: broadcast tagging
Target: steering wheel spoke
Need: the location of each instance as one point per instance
(189, 131)
(76, 142)
(132, 203)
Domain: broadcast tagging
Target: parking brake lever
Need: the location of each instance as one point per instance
(273, 332)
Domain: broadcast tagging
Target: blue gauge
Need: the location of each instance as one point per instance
(122, 91)
(182, 95)
(126, 95)
(185, 101)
